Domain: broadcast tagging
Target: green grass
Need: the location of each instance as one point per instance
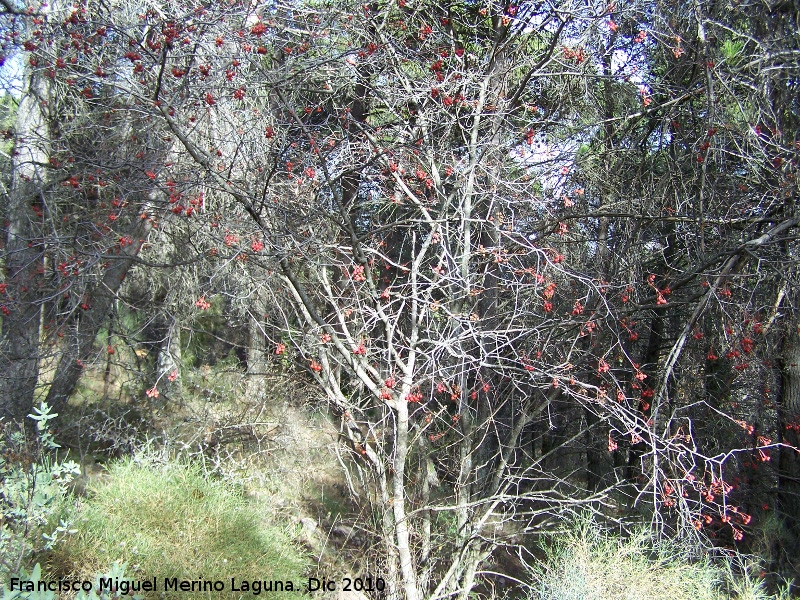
(170, 521)
(588, 563)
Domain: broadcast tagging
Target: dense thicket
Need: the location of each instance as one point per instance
(534, 255)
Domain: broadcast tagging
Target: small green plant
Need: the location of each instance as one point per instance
(33, 486)
(731, 49)
(118, 588)
(34, 577)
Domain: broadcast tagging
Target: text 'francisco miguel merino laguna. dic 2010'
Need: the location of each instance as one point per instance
(174, 584)
(253, 586)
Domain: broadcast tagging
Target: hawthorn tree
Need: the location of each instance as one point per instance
(528, 252)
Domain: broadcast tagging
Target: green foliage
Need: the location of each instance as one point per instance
(34, 577)
(116, 574)
(588, 563)
(33, 490)
(731, 49)
(170, 520)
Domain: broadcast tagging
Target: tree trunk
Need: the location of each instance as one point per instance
(256, 351)
(100, 300)
(401, 528)
(169, 362)
(23, 256)
(789, 458)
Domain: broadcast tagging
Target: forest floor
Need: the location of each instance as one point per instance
(268, 437)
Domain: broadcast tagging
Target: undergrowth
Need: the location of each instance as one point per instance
(170, 520)
(589, 563)
(33, 488)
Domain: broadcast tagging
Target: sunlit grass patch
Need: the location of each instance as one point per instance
(588, 563)
(172, 521)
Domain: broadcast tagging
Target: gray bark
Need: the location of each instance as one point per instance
(789, 458)
(169, 362)
(256, 351)
(23, 255)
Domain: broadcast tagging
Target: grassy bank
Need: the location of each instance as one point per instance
(172, 521)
